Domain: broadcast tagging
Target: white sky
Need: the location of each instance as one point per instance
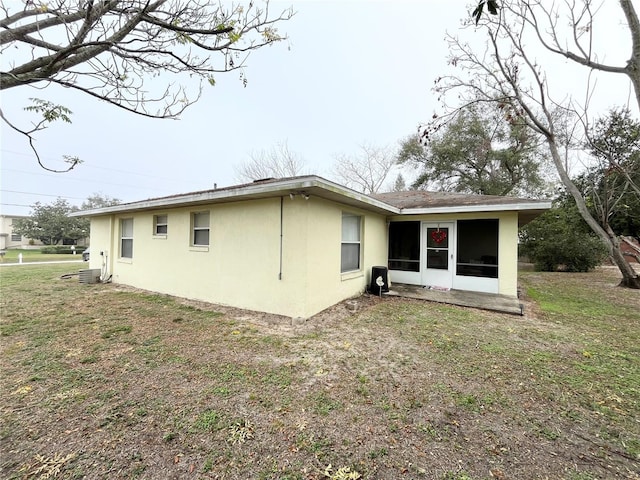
(352, 72)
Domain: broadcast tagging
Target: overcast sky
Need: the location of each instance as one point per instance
(351, 73)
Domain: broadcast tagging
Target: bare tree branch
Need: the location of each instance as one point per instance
(367, 171)
(277, 162)
(72, 161)
(506, 72)
(112, 49)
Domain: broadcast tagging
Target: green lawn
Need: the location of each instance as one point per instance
(29, 256)
(103, 381)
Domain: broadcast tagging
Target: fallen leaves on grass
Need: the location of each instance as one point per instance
(240, 432)
(22, 390)
(46, 467)
(343, 473)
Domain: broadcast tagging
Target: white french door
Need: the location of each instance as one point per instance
(437, 254)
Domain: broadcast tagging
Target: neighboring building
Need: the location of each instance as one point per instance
(296, 246)
(9, 239)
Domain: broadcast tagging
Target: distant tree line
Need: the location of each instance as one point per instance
(52, 225)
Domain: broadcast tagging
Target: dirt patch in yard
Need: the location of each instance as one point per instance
(101, 381)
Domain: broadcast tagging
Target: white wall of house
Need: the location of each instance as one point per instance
(242, 265)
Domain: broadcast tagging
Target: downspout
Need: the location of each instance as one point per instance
(111, 253)
(281, 235)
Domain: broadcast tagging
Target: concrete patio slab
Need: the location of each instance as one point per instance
(484, 301)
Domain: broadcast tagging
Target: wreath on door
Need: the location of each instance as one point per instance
(439, 236)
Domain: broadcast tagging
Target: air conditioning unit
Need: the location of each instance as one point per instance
(90, 275)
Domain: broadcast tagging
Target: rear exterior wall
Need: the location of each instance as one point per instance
(253, 260)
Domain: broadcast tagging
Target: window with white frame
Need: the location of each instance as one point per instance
(160, 225)
(200, 229)
(350, 254)
(126, 238)
(15, 237)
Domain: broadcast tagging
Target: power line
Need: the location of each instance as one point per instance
(41, 194)
(85, 164)
(14, 205)
(80, 179)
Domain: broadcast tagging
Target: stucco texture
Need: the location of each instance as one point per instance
(243, 266)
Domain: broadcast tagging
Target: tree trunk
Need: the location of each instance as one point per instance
(633, 66)
(635, 250)
(630, 278)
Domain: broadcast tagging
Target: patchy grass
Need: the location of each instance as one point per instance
(102, 381)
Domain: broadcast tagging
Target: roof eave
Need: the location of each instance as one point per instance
(517, 207)
(311, 185)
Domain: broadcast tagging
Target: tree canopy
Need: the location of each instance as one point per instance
(560, 239)
(51, 223)
(130, 53)
(97, 200)
(612, 184)
(477, 152)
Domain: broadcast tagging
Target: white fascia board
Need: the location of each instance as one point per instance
(258, 190)
(347, 193)
(509, 207)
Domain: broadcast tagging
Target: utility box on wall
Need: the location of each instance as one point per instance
(90, 275)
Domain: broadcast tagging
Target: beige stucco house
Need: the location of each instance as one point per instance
(10, 239)
(296, 246)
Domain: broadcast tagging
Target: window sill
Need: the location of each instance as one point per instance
(125, 260)
(157, 236)
(199, 248)
(351, 275)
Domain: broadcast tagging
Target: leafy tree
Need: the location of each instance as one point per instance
(97, 200)
(277, 162)
(51, 223)
(477, 152)
(506, 72)
(112, 49)
(612, 184)
(560, 239)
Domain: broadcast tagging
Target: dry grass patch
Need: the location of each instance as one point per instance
(121, 383)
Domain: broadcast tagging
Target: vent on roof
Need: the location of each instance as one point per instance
(90, 275)
(263, 179)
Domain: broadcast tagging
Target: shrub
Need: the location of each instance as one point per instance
(561, 240)
(62, 249)
(569, 255)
